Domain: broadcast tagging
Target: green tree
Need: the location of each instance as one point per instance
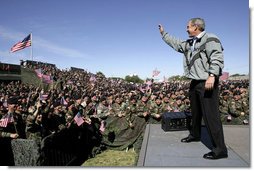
(100, 74)
(237, 75)
(134, 79)
(177, 77)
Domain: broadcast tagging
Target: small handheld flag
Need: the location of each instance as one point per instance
(78, 119)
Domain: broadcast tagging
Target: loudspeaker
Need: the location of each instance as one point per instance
(176, 121)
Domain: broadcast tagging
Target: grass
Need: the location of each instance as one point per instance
(111, 158)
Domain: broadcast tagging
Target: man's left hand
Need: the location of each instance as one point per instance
(209, 83)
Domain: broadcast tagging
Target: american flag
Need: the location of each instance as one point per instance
(47, 79)
(39, 72)
(102, 126)
(63, 101)
(43, 96)
(149, 82)
(21, 45)
(156, 73)
(224, 76)
(69, 82)
(78, 119)
(92, 78)
(8, 118)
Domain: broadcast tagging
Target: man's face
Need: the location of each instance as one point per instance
(158, 101)
(11, 106)
(104, 102)
(118, 100)
(39, 118)
(191, 29)
(78, 101)
(144, 98)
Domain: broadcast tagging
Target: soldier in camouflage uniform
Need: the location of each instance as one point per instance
(236, 109)
(91, 110)
(34, 127)
(224, 107)
(156, 110)
(102, 109)
(143, 107)
(187, 105)
(118, 107)
(179, 104)
(14, 128)
(245, 104)
(131, 111)
(166, 105)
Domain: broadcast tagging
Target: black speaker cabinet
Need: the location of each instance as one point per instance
(176, 121)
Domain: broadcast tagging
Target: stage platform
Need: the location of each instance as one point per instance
(164, 149)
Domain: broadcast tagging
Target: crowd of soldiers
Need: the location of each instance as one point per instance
(38, 112)
(234, 102)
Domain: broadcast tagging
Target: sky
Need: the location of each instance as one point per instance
(120, 37)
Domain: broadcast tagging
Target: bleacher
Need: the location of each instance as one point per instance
(10, 72)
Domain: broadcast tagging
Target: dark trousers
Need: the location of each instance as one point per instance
(205, 104)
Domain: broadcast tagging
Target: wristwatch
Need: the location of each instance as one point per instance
(211, 75)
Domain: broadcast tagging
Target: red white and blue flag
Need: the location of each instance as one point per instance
(8, 118)
(92, 78)
(156, 72)
(63, 101)
(45, 78)
(78, 119)
(224, 76)
(39, 72)
(43, 96)
(23, 44)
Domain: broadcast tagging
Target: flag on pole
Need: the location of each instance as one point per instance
(78, 119)
(23, 44)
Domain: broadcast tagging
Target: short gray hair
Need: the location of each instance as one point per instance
(199, 22)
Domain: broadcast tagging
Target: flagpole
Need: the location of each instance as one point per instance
(31, 46)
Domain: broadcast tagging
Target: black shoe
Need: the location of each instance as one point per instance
(189, 139)
(213, 156)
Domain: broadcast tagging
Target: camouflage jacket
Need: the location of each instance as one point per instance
(224, 107)
(142, 107)
(235, 107)
(156, 109)
(102, 111)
